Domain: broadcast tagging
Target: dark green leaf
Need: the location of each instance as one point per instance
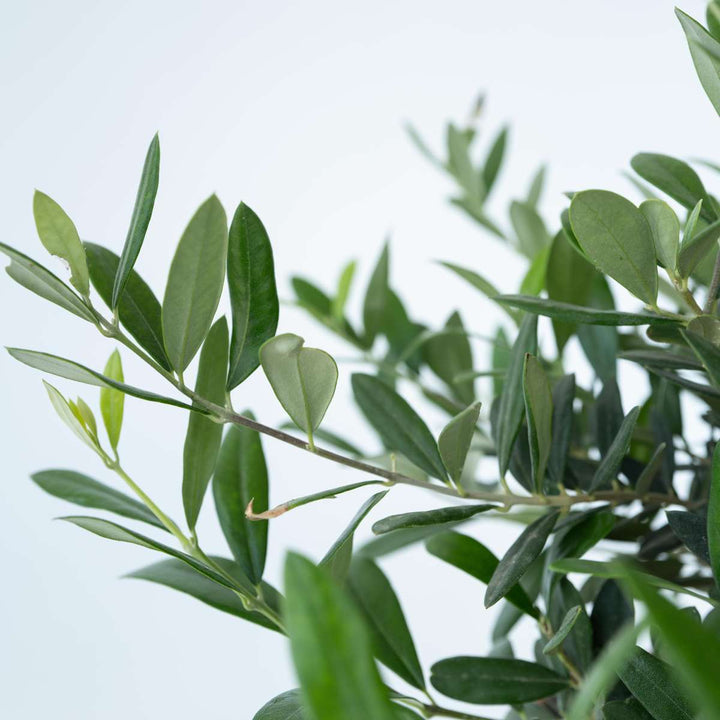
(600, 342)
(449, 355)
(195, 283)
(629, 709)
(610, 465)
(692, 529)
(665, 228)
(83, 490)
(568, 622)
(203, 438)
(611, 612)
(696, 249)
(713, 518)
(376, 296)
(253, 295)
(708, 354)
(493, 161)
(440, 516)
(331, 647)
(399, 426)
(287, 706)
(539, 414)
(562, 425)
(495, 681)
(142, 212)
(455, 440)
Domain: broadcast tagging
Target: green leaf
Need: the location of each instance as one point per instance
(610, 465)
(450, 356)
(519, 557)
(138, 309)
(376, 296)
(569, 280)
(629, 709)
(532, 235)
(74, 371)
(510, 409)
(696, 248)
(391, 637)
(600, 343)
(704, 50)
(337, 558)
(536, 187)
(494, 159)
(535, 278)
(439, 516)
(331, 648)
(693, 651)
(649, 680)
(617, 239)
(495, 681)
(112, 401)
(692, 530)
(204, 435)
(555, 643)
(712, 15)
(665, 229)
(539, 414)
(83, 490)
(253, 295)
(591, 316)
(708, 354)
(241, 478)
(713, 517)
(472, 557)
(343, 291)
(287, 706)
(460, 165)
(455, 440)
(177, 575)
(195, 283)
(142, 212)
(71, 417)
(398, 425)
(60, 237)
(303, 379)
(562, 425)
(37, 279)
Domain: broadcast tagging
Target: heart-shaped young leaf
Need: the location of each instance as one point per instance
(138, 309)
(495, 681)
(83, 490)
(472, 557)
(253, 295)
(331, 647)
(440, 516)
(303, 379)
(391, 637)
(376, 297)
(203, 438)
(112, 401)
(398, 425)
(37, 279)
(539, 414)
(142, 212)
(617, 239)
(240, 478)
(455, 440)
(665, 228)
(195, 283)
(60, 237)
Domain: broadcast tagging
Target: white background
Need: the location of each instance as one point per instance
(297, 109)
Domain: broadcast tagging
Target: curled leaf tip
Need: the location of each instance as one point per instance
(268, 514)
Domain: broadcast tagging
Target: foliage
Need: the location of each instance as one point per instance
(639, 490)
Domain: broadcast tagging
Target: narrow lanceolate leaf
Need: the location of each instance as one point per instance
(337, 558)
(694, 251)
(665, 228)
(493, 161)
(519, 557)
(495, 681)
(511, 403)
(253, 295)
(37, 279)
(303, 379)
(287, 706)
(60, 237)
(693, 651)
(617, 239)
(705, 53)
(376, 296)
(562, 424)
(112, 401)
(71, 370)
(440, 516)
(202, 441)
(331, 648)
(343, 291)
(455, 440)
(391, 637)
(472, 557)
(649, 680)
(241, 477)
(138, 309)
(675, 178)
(539, 414)
(532, 235)
(398, 425)
(555, 643)
(142, 212)
(610, 465)
(70, 417)
(179, 576)
(449, 356)
(195, 283)
(83, 490)
(708, 353)
(713, 519)
(584, 315)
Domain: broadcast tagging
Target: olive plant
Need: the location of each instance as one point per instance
(617, 561)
